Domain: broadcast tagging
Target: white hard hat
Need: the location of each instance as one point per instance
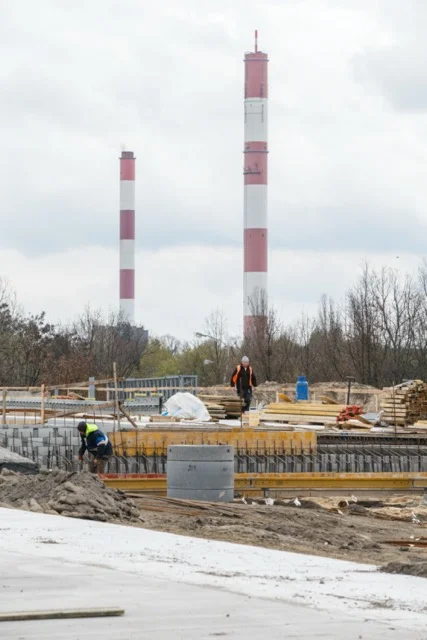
(245, 359)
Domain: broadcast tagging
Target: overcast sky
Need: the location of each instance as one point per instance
(347, 136)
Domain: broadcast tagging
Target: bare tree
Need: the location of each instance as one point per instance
(332, 340)
(107, 340)
(399, 305)
(269, 346)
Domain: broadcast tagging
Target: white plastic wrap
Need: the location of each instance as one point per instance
(187, 406)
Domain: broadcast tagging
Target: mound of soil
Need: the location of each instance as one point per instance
(414, 569)
(76, 495)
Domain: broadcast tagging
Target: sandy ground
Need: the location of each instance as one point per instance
(353, 532)
(266, 392)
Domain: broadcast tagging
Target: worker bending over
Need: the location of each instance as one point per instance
(97, 444)
(244, 380)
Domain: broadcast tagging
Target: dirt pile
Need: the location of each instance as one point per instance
(76, 495)
(265, 393)
(413, 569)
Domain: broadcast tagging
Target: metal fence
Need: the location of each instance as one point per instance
(165, 386)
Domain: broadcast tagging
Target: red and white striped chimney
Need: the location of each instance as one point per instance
(127, 236)
(255, 188)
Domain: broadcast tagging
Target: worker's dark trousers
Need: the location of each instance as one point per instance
(246, 395)
(99, 466)
(100, 461)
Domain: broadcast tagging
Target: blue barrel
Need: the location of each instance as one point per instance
(301, 388)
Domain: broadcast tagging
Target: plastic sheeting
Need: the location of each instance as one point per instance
(186, 406)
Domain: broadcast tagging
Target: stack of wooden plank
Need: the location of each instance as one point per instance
(216, 411)
(421, 425)
(168, 419)
(405, 404)
(229, 405)
(305, 413)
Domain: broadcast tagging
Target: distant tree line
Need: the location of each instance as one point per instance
(34, 351)
(378, 334)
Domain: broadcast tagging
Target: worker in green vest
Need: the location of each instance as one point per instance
(96, 443)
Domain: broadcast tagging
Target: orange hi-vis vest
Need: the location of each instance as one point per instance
(236, 375)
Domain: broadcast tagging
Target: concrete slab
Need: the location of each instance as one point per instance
(179, 587)
(16, 462)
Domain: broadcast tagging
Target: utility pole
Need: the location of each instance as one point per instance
(350, 380)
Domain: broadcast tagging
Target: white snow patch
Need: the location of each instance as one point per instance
(314, 582)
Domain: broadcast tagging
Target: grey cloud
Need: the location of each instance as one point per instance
(397, 72)
(395, 66)
(342, 228)
(167, 81)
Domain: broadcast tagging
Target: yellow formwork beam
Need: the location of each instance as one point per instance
(156, 441)
(277, 481)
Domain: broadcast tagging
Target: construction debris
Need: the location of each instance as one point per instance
(76, 495)
(411, 542)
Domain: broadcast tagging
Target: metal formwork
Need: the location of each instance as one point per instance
(138, 405)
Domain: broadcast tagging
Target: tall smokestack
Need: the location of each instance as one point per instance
(255, 188)
(127, 236)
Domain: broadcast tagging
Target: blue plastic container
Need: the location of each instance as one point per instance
(301, 388)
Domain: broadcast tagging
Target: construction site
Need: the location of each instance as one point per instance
(322, 458)
(251, 507)
(343, 481)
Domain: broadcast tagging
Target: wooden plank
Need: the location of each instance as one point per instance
(83, 412)
(307, 405)
(327, 414)
(77, 385)
(390, 414)
(285, 417)
(21, 388)
(116, 395)
(327, 400)
(125, 413)
(42, 408)
(343, 390)
(4, 406)
(362, 419)
(291, 408)
(60, 614)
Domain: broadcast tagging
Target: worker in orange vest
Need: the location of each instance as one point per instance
(244, 380)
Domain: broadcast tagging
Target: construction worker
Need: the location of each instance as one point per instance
(97, 444)
(244, 380)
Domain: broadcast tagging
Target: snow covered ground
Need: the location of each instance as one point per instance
(180, 587)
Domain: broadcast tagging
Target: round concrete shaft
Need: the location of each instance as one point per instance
(201, 472)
